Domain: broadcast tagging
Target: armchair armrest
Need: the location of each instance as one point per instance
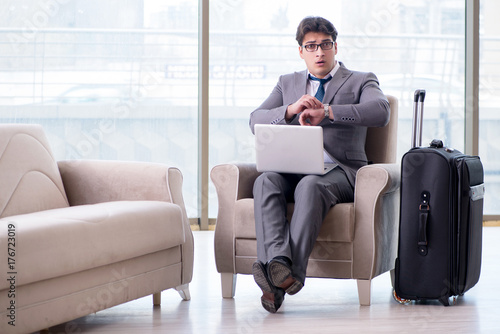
(232, 183)
(376, 205)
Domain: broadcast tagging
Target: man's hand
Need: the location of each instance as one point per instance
(311, 117)
(305, 102)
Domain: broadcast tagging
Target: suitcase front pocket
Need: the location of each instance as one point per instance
(470, 224)
(475, 237)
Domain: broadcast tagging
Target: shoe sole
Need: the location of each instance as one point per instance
(280, 273)
(260, 277)
(294, 288)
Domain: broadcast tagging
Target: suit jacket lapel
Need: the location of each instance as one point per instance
(300, 81)
(337, 81)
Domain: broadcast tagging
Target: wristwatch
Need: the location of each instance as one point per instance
(327, 110)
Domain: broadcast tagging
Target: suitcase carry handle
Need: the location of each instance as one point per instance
(424, 209)
(418, 118)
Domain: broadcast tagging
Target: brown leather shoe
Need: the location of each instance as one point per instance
(280, 275)
(272, 297)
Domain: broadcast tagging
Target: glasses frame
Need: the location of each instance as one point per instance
(322, 45)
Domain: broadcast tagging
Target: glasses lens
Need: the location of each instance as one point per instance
(311, 47)
(326, 45)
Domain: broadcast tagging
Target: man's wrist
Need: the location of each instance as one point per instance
(288, 115)
(326, 108)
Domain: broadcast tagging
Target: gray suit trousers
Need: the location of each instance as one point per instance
(313, 195)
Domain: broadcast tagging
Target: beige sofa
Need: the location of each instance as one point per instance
(78, 237)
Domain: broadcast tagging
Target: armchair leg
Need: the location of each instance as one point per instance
(364, 291)
(228, 284)
(183, 291)
(157, 299)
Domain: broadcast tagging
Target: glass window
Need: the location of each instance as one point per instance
(489, 103)
(114, 79)
(123, 84)
(408, 45)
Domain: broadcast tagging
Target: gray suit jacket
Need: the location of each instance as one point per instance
(356, 102)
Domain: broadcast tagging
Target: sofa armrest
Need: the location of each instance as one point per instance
(232, 183)
(376, 206)
(97, 181)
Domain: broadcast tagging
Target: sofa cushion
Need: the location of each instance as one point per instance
(58, 242)
(338, 225)
(29, 174)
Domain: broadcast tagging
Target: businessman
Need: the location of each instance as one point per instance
(344, 103)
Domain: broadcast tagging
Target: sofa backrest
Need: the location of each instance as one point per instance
(29, 176)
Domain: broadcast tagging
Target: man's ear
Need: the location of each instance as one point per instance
(301, 49)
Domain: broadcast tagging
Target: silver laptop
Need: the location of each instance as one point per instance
(290, 149)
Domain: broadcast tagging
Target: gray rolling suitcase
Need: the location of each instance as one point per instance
(440, 227)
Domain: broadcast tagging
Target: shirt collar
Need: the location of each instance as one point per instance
(332, 72)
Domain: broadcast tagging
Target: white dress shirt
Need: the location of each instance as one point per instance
(312, 87)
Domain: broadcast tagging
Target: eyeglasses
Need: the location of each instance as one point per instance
(314, 47)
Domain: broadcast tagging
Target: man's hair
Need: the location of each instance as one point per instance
(315, 24)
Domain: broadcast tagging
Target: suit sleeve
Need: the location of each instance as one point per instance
(272, 110)
(371, 109)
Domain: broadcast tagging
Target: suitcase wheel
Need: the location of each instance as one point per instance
(399, 299)
(447, 301)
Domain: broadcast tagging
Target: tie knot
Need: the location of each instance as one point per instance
(321, 81)
(320, 93)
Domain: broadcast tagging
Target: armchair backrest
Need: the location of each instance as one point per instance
(29, 177)
(381, 143)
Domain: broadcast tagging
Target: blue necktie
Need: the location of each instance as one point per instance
(320, 93)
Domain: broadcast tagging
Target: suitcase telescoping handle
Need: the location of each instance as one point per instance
(418, 118)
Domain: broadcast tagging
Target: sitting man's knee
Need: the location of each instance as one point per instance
(266, 178)
(309, 183)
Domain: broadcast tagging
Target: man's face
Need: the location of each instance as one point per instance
(319, 62)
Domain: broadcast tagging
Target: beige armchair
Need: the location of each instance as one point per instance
(357, 240)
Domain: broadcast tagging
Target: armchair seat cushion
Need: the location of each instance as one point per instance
(338, 225)
(63, 241)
